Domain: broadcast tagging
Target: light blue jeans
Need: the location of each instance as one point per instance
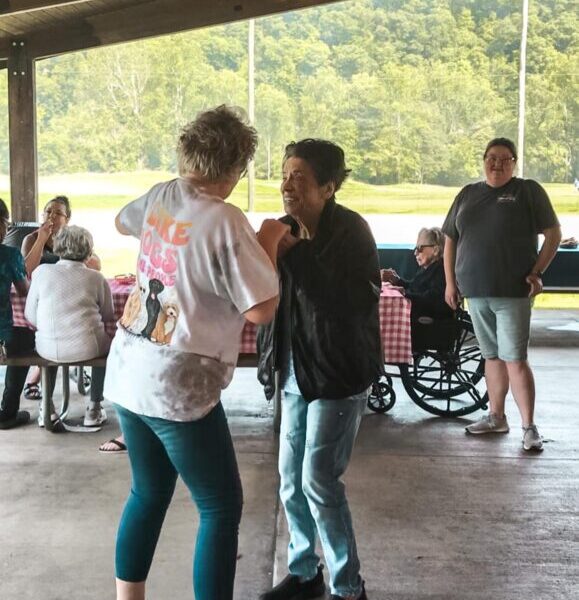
(316, 442)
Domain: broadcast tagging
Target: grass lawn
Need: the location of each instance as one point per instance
(108, 191)
(113, 190)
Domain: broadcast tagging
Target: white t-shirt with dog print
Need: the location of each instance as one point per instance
(199, 267)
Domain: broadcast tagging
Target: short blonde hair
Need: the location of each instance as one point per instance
(217, 142)
(434, 236)
(73, 243)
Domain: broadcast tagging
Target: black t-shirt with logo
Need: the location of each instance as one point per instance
(496, 233)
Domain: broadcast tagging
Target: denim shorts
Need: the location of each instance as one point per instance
(501, 326)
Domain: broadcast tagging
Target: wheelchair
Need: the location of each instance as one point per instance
(447, 375)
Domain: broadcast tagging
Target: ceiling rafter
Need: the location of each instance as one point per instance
(16, 7)
(146, 19)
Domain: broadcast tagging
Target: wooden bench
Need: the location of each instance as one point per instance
(34, 360)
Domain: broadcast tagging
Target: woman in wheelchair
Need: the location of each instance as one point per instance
(426, 289)
(445, 377)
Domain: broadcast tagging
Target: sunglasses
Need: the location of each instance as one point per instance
(419, 249)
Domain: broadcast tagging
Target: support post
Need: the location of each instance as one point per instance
(251, 109)
(22, 133)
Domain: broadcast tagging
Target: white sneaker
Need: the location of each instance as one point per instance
(489, 424)
(532, 441)
(95, 415)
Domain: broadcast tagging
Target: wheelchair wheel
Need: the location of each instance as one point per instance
(382, 395)
(448, 383)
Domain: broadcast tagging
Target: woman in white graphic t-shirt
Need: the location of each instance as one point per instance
(201, 272)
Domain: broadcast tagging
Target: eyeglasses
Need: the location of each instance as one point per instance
(497, 160)
(420, 248)
(54, 213)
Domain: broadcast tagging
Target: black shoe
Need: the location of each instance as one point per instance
(361, 597)
(20, 418)
(291, 588)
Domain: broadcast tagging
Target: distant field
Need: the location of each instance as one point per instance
(113, 190)
(99, 191)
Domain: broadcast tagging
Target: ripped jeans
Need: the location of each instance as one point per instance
(316, 442)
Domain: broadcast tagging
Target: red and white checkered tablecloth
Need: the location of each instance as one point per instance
(395, 325)
(394, 321)
(394, 328)
(120, 289)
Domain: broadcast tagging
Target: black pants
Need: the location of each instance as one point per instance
(23, 343)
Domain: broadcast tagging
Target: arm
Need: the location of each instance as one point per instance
(427, 291)
(546, 255)
(451, 295)
(105, 301)
(93, 262)
(33, 246)
(30, 311)
(269, 236)
(22, 287)
(263, 313)
(120, 227)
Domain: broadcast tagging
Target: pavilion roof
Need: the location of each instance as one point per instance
(51, 27)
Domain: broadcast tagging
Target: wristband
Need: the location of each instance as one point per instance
(539, 274)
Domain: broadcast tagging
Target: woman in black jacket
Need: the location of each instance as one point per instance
(426, 288)
(325, 343)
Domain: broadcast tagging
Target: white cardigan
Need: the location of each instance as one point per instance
(67, 303)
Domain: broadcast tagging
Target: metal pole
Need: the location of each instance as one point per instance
(251, 108)
(522, 77)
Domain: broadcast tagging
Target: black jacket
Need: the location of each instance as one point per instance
(330, 289)
(426, 291)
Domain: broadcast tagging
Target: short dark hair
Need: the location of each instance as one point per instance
(61, 200)
(326, 159)
(501, 141)
(4, 219)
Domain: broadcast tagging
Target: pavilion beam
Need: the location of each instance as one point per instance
(15, 7)
(22, 133)
(146, 20)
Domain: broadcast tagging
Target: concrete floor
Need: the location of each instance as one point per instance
(438, 515)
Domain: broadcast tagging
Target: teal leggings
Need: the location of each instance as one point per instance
(201, 452)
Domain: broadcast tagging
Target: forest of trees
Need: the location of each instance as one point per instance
(412, 89)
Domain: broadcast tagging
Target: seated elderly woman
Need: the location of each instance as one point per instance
(426, 289)
(68, 303)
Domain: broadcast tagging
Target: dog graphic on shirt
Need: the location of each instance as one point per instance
(166, 323)
(133, 306)
(153, 305)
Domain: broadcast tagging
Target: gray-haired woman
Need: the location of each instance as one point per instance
(426, 289)
(68, 303)
(201, 273)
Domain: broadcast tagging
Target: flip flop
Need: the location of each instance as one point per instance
(120, 447)
(32, 391)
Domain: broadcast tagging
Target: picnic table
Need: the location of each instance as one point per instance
(395, 331)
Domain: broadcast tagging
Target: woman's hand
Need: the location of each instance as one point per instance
(270, 235)
(44, 232)
(389, 276)
(287, 242)
(452, 296)
(536, 284)
(271, 232)
(93, 262)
